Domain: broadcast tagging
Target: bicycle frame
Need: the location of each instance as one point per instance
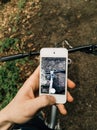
(90, 49)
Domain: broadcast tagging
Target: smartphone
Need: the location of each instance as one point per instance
(53, 73)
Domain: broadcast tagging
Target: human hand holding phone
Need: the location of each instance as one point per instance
(25, 104)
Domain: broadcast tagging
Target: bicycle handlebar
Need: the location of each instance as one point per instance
(91, 49)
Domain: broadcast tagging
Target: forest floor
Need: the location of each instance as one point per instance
(47, 23)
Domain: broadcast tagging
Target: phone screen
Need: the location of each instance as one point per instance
(53, 75)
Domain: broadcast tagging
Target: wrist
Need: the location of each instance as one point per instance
(5, 123)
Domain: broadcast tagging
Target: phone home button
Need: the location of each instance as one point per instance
(52, 90)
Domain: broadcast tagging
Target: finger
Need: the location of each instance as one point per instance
(33, 80)
(69, 97)
(34, 105)
(70, 83)
(62, 109)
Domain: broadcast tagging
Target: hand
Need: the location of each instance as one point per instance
(25, 104)
(61, 107)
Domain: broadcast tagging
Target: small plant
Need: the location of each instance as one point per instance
(8, 43)
(9, 82)
(21, 4)
(14, 29)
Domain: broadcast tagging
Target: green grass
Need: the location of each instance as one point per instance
(10, 72)
(8, 43)
(21, 4)
(9, 79)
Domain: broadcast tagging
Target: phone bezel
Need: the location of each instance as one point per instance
(55, 52)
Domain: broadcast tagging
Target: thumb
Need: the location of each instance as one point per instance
(42, 101)
(45, 100)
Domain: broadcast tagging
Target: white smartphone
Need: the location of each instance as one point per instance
(53, 73)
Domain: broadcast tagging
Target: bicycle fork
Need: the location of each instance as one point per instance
(54, 123)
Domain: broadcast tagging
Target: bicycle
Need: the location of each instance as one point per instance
(89, 49)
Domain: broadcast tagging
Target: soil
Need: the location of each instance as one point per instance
(44, 23)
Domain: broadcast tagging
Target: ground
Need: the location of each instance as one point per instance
(46, 23)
